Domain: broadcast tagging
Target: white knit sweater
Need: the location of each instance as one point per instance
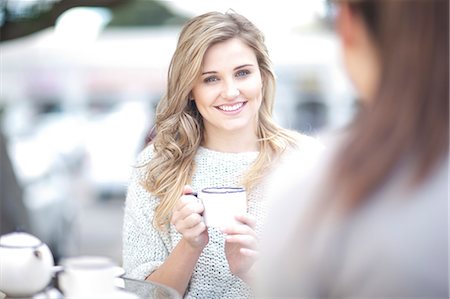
(145, 248)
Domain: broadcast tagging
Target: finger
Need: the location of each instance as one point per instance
(181, 210)
(249, 252)
(184, 199)
(248, 219)
(195, 231)
(187, 189)
(174, 218)
(178, 212)
(189, 208)
(189, 222)
(245, 241)
(239, 229)
(193, 206)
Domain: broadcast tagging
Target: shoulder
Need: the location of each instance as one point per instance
(325, 145)
(309, 143)
(145, 155)
(300, 163)
(141, 161)
(304, 148)
(138, 198)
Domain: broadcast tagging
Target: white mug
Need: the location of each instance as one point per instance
(222, 204)
(88, 276)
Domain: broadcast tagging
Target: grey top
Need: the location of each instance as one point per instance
(394, 246)
(145, 248)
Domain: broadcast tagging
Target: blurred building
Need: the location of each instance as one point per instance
(76, 107)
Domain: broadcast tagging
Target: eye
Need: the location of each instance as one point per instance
(242, 73)
(210, 79)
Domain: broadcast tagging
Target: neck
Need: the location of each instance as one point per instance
(231, 142)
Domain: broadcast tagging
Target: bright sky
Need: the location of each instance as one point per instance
(270, 16)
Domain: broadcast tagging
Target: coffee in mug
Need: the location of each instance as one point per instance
(222, 204)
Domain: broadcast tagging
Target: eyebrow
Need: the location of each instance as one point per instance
(236, 68)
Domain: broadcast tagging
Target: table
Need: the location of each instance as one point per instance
(144, 289)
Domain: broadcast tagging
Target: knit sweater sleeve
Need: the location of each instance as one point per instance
(144, 249)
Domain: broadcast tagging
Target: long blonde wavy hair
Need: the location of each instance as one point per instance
(179, 125)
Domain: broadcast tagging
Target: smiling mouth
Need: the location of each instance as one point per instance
(231, 108)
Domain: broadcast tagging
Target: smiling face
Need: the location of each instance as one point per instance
(228, 94)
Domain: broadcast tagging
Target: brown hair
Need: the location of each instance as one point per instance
(409, 115)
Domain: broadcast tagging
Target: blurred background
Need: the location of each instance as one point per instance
(79, 82)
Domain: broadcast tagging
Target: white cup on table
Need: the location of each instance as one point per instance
(88, 277)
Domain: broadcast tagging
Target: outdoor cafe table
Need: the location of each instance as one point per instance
(144, 290)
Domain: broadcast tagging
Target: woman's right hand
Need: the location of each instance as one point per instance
(188, 221)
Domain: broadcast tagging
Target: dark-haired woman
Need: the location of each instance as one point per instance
(371, 221)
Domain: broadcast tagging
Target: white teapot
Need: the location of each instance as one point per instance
(26, 264)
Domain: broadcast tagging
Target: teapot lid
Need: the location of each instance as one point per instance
(19, 240)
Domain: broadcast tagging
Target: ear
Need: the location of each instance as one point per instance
(346, 24)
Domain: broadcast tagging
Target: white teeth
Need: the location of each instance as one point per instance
(231, 108)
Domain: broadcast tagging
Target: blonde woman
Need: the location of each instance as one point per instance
(214, 128)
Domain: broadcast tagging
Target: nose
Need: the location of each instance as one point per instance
(230, 91)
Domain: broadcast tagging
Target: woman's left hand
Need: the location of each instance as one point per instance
(241, 245)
